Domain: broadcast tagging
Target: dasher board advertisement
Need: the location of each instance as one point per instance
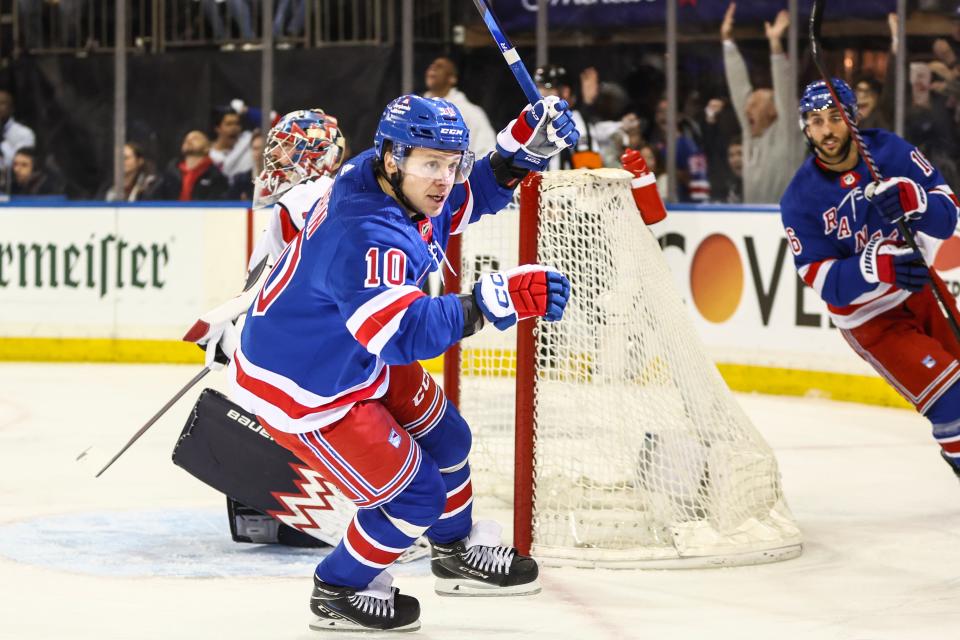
(116, 272)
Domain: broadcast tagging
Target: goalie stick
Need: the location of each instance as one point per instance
(509, 52)
(179, 394)
(816, 20)
(237, 306)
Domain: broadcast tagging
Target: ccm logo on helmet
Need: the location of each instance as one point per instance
(443, 131)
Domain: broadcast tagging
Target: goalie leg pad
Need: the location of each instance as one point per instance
(254, 526)
(229, 450)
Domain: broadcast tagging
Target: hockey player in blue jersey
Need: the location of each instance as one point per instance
(328, 356)
(842, 229)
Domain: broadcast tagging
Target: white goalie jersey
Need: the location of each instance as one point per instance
(288, 217)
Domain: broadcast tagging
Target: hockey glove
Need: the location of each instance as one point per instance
(218, 340)
(884, 261)
(523, 292)
(540, 132)
(897, 198)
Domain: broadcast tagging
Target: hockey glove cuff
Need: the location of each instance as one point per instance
(473, 319)
(523, 292)
(897, 198)
(884, 261)
(506, 175)
(540, 132)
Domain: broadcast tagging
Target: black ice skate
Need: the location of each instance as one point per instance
(480, 566)
(379, 607)
(953, 462)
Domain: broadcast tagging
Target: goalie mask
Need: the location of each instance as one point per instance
(303, 145)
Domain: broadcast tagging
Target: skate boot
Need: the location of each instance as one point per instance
(953, 462)
(480, 566)
(379, 607)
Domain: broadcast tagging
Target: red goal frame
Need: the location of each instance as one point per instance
(524, 440)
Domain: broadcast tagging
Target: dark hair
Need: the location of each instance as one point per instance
(875, 85)
(30, 152)
(217, 114)
(453, 64)
(657, 157)
(136, 148)
(551, 76)
(737, 139)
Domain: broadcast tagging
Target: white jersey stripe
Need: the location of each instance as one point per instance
(869, 310)
(467, 213)
(359, 557)
(375, 543)
(380, 339)
(821, 276)
(299, 394)
(450, 514)
(278, 419)
(375, 304)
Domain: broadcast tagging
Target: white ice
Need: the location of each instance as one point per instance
(143, 552)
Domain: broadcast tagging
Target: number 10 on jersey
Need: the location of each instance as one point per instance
(393, 268)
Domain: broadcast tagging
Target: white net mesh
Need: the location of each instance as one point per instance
(642, 455)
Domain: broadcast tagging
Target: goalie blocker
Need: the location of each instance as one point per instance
(272, 497)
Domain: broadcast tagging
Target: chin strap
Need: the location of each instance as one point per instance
(396, 181)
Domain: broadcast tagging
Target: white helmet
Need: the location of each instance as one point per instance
(304, 144)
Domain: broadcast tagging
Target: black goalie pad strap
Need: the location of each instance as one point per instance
(225, 447)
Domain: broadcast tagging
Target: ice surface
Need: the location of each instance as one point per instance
(144, 552)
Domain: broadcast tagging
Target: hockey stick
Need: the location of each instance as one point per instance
(816, 20)
(509, 52)
(227, 311)
(156, 416)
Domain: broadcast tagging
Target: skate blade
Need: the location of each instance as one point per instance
(460, 588)
(326, 624)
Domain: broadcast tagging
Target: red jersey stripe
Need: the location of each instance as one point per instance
(460, 498)
(366, 549)
(378, 320)
(283, 401)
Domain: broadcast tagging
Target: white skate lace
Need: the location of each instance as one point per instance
(490, 559)
(374, 605)
(377, 599)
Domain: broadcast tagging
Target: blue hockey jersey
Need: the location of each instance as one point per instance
(828, 222)
(344, 300)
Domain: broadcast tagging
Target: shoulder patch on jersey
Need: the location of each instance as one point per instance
(347, 168)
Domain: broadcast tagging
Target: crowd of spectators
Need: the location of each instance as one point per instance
(743, 144)
(735, 143)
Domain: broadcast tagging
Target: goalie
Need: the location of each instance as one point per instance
(301, 154)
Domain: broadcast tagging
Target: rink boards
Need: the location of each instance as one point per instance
(96, 281)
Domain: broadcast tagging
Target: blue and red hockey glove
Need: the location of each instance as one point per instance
(527, 291)
(897, 198)
(541, 131)
(884, 261)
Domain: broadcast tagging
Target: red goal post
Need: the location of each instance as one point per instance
(610, 433)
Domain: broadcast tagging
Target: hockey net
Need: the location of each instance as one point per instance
(611, 433)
